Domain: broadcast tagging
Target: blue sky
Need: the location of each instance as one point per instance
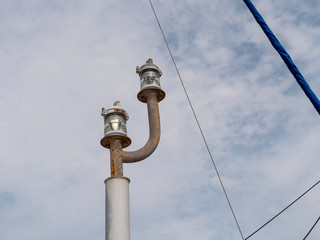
(64, 60)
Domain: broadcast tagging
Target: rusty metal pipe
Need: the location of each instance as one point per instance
(116, 165)
(154, 131)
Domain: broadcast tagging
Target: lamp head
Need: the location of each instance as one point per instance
(115, 120)
(149, 74)
(115, 125)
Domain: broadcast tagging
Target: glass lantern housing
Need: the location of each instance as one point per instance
(149, 79)
(149, 75)
(115, 120)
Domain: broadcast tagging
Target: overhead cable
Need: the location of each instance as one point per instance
(311, 229)
(195, 116)
(282, 211)
(284, 55)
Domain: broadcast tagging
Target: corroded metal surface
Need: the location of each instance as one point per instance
(106, 141)
(143, 94)
(154, 131)
(115, 158)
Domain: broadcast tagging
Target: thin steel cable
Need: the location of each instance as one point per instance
(196, 118)
(311, 228)
(282, 211)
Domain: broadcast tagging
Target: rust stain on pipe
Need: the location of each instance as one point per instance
(154, 131)
(116, 159)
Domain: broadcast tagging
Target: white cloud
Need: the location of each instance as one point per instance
(63, 61)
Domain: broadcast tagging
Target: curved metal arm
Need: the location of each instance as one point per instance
(154, 129)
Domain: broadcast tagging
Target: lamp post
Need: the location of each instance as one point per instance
(116, 139)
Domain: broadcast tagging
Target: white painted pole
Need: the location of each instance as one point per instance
(117, 208)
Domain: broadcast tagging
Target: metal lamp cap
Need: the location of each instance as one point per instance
(149, 66)
(116, 108)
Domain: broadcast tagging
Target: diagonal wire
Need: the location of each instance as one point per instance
(195, 116)
(311, 229)
(282, 211)
(284, 55)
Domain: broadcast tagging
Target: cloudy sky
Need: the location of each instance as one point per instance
(61, 61)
